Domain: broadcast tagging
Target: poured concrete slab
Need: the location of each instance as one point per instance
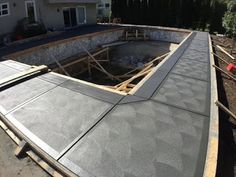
(93, 92)
(16, 65)
(22, 93)
(161, 130)
(142, 139)
(192, 69)
(186, 93)
(59, 117)
(6, 71)
(196, 55)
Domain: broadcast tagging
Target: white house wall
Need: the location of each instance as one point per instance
(50, 14)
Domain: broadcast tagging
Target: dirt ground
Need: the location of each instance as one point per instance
(227, 130)
(10, 166)
(136, 53)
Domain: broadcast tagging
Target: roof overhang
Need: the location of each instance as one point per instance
(72, 1)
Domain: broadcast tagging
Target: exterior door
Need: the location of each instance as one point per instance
(81, 15)
(70, 17)
(30, 11)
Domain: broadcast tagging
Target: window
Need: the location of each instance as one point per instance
(30, 11)
(100, 5)
(107, 5)
(4, 9)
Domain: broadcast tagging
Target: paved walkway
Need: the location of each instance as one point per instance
(64, 35)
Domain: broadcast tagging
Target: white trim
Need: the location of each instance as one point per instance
(8, 9)
(85, 15)
(26, 9)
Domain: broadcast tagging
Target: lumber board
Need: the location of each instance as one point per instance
(140, 67)
(21, 149)
(114, 44)
(221, 106)
(43, 164)
(108, 74)
(83, 58)
(219, 47)
(220, 58)
(221, 70)
(91, 84)
(17, 136)
(125, 83)
(23, 74)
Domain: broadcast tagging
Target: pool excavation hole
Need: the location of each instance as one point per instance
(119, 66)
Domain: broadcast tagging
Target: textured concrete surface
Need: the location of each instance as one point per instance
(160, 131)
(142, 139)
(71, 112)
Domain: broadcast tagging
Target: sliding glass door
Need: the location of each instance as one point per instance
(70, 17)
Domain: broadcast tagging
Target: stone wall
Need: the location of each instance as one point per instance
(166, 35)
(48, 54)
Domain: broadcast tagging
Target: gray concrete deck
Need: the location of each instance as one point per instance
(162, 130)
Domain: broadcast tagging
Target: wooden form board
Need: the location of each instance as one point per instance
(23, 74)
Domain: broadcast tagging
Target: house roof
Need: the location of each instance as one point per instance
(72, 1)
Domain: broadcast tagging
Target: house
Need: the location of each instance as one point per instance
(104, 9)
(54, 14)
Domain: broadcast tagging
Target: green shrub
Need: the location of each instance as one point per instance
(229, 19)
(27, 29)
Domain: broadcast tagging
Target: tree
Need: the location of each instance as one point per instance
(229, 21)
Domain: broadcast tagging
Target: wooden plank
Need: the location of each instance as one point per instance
(136, 34)
(220, 58)
(221, 70)
(125, 83)
(84, 58)
(89, 68)
(13, 137)
(21, 149)
(114, 44)
(23, 74)
(108, 74)
(219, 47)
(92, 57)
(140, 67)
(221, 106)
(73, 62)
(43, 164)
